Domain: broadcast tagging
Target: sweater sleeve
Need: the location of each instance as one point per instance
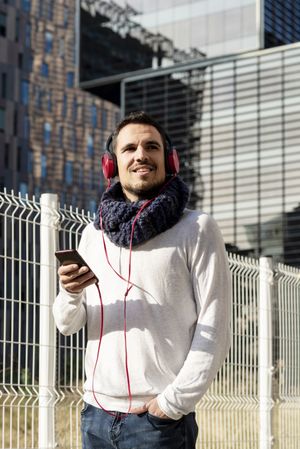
(211, 284)
(69, 309)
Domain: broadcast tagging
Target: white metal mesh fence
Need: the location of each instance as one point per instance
(229, 415)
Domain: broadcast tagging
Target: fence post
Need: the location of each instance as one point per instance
(265, 352)
(47, 334)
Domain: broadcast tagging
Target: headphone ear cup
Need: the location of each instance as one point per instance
(109, 165)
(173, 163)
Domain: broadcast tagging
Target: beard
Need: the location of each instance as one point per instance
(144, 192)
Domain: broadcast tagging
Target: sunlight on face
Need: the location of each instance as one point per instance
(141, 160)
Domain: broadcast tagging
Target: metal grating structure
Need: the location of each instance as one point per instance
(254, 400)
(234, 121)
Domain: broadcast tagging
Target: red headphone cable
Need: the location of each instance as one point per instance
(129, 286)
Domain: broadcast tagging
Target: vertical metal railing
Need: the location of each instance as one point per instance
(265, 360)
(254, 401)
(47, 330)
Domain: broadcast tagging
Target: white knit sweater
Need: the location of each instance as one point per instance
(178, 314)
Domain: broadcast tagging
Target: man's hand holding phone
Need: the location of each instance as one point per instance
(74, 273)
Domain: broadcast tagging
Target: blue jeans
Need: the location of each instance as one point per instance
(102, 431)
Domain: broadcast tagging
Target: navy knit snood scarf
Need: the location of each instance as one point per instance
(161, 214)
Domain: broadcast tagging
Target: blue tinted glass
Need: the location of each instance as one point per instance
(37, 192)
(48, 42)
(25, 92)
(92, 206)
(47, 133)
(27, 34)
(26, 4)
(30, 162)
(74, 139)
(23, 189)
(49, 102)
(43, 165)
(45, 69)
(80, 176)
(69, 172)
(26, 127)
(70, 79)
(61, 135)
(90, 146)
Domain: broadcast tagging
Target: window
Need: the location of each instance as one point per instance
(117, 118)
(2, 119)
(74, 140)
(19, 158)
(74, 109)
(6, 155)
(61, 47)
(70, 79)
(26, 127)
(38, 97)
(80, 176)
(61, 136)
(25, 92)
(69, 172)
(17, 30)
(64, 106)
(90, 146)
(50, 10)
(3, 85)
(45, 69)
(66, 16)
(94, 115)
(49, 102)
(104, 118)
(92, 206)
(16, 122)
(20, 60)
(2, 24)
(43, 166)
(37, 192)
(23, 189)
(26, 5)
(30, 162)
(48, 42)
(47, 133)
(28, 35)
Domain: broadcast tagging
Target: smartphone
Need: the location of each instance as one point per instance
(68, 256)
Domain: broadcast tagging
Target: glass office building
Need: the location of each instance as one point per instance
(51, 132)
(235, 122)
(134, 35)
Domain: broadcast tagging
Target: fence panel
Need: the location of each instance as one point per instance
(228, 415)
(19, 324)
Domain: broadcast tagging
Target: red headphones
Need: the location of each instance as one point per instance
(109, 160)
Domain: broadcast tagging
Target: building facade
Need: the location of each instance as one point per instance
(133, 35)
(51, 132)
(235, 122)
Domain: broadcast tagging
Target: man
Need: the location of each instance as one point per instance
(158, 331)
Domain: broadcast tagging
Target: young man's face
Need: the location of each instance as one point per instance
(141, 161)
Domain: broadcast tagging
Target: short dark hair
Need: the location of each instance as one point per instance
(138, 117)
